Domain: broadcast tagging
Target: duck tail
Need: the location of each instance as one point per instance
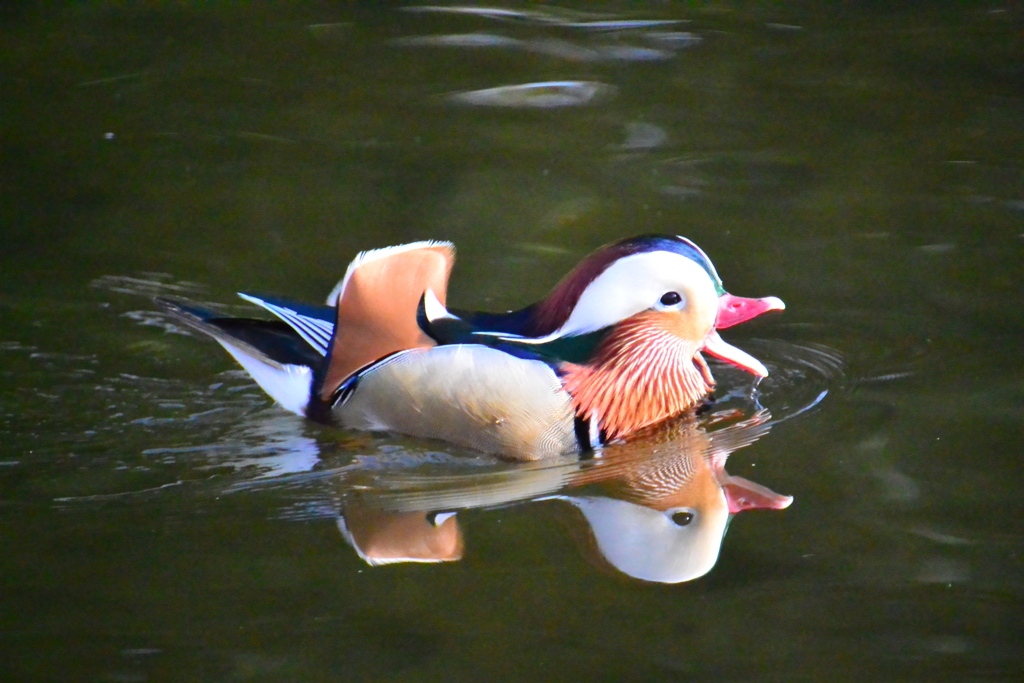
(278, 358)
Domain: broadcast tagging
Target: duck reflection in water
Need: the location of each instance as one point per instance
(656, 507)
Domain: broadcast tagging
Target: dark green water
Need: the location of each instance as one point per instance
(161, 520)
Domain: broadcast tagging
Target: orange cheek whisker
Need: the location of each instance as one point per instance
(642, 374)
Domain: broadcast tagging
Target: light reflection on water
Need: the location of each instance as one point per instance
(657, 508)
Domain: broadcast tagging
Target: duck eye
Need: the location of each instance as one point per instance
(682, 518)
(670, 298)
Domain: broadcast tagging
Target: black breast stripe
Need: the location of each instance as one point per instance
(581, 427)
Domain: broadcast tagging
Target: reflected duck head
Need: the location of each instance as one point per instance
(671, 544)
(671, 500)
(663, 546)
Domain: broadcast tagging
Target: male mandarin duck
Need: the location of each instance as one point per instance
(615, 347)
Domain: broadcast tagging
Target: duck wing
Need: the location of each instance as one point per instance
(314, 324)
(376, 306)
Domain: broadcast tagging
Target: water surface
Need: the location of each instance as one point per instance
(162, 520)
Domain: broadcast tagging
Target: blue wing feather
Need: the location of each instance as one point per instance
(313, 323)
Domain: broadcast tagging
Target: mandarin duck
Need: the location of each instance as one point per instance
(615, 347)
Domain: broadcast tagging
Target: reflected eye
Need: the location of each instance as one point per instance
(682, 518)
(670, 298)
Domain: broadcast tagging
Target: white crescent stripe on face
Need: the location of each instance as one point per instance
(629, 286)
(634, 284)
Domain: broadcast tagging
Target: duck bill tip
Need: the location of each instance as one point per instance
(717, 347)
(733, 310)
(742, 494)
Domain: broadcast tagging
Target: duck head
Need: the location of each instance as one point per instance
(650, 305)
(565, 304)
